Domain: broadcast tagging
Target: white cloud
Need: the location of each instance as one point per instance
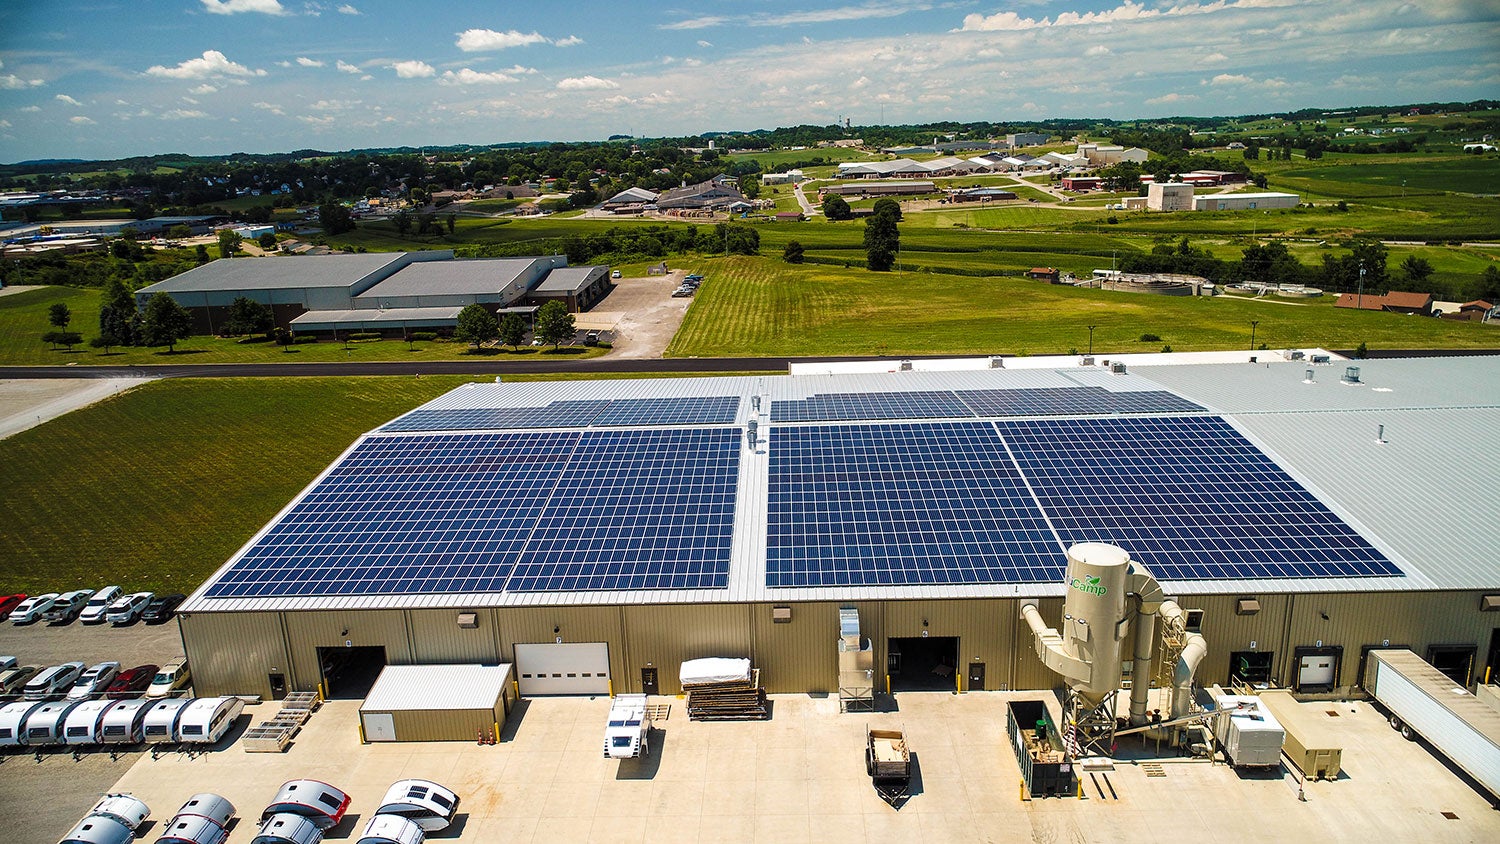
(31, 109)
(697, 23)
(80, 120)
(705, 44)
(586, 83)
(271, 107)
(183, 114)
(348, 68)
(865, 11)
(1128, 11)
(347, 9)
(234, 7)
(203, 90)
(307, 62)
(1173, 97)
(12, 82)
(478, 40)
(64, 98)
(570, 41)
(413, 69)
(1214, 58)
(1231, 79)
(212, 63)
(467, 76)
(1097, 50)
(190, 100)
(5, 124)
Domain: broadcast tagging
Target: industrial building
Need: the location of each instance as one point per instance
(1245, 201)
(880, 188)
(391, 291)
(1169, 196)
(598, 533)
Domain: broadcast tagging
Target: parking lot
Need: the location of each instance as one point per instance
(801, 777)
(642, 314)
(41, 797)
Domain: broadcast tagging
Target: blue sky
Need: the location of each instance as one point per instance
(103, 79)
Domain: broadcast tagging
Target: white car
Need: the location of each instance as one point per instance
(68, 606)
(30, 610)
(96, 679)
(51, 682)
(172, 676)
(7, 663)
(129, 608)
(98, 605)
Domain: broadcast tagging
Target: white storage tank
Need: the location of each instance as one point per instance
(206, 719)
(125, 808)
(45, 725)
(160, 724)
(423, 802)
(391, 829)
(124, 722)
(84, 722)
(1248, 732)
(286, 828)
(1095, 603)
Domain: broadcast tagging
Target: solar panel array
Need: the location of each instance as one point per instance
(487, 512)
(1072, 401)
(1188, 496)
(685, 410)
(946, 404)
(901, 505)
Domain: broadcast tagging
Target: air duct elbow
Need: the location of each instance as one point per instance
(1182, 676)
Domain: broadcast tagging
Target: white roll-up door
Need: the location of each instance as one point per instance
(575, 668)
(1316, 671)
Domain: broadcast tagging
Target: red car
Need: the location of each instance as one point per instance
(132, 682)
(10, 602)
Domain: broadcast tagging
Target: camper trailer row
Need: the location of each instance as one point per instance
(34, 724)
(303, 810)
(203, 819)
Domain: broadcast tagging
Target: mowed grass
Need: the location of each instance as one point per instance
(1463, 174)
(758, 307)
(23, 321)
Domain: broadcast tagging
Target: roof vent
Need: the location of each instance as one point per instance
(750, 430)
(468, 620)
(905, 366)
(1351, 375)
(1247, 606)
(997, 362)
(1118, 367)
(1489, 603)
(1309, 379)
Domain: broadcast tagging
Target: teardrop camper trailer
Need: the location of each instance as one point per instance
(206, 719)
(45, 726)
(317, 801)
(124, 723)
(13, 721)
(391, 829)
(286, 828)
(125, 808)
(423, 802)
(161, 720)
(85, 721)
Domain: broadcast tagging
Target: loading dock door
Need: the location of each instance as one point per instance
(1315, 670)
(576, 668)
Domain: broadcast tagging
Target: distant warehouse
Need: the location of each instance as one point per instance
(902, 188)
(1245, 201)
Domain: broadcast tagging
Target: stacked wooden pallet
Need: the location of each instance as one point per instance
(731, 700)
(274, 735)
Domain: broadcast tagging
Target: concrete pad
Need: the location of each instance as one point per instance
(28, 403)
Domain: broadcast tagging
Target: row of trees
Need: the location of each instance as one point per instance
(162, 322)
(477, 325)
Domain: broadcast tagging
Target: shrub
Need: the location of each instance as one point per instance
(420, 336)
(303, 339)
(1167, 348)
(365, 335)
(1112, 219)
(1150, 338)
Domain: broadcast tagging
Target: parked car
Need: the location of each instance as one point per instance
(30, 610)
(681, 292)
(131, 681)
(52, 682)
(96, 679)
(172, 676)
(67, 606)
(128, 609)
(7, 662)
(591, 338)
(98, 605)
(10, 602)
(162, 608)
(615, 274)
(13, 679)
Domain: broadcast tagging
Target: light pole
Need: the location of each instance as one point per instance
(1091, 339)
(1359, 300)
(1253, 323)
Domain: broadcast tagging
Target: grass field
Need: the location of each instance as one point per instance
(23, 320)
(773, 161)
(754, 307)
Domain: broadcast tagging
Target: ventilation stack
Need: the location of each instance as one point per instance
(856, 664)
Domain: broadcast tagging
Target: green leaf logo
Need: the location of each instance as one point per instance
(1093, 581)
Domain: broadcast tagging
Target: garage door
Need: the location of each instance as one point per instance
(1315, 671)
(578, 668)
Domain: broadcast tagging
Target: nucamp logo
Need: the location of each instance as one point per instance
(1088, 584)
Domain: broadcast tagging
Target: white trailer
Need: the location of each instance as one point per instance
(206, 719)
(45, 725)
(392, 829)
(161, 722)
(1248, 733)
(125, 808)
(1422, 701)
(82, 726)
(124, 723)
(423, 802)
(628, 732)
(13, 721)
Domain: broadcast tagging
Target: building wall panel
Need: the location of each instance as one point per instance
(437, 638)
(528, 625)
(308, 631)
(234, 653)
(980, 626)
(801, 655)
(445, 725)
(666, 636)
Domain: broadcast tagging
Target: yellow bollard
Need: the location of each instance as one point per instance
(887, 684)
(362, 739)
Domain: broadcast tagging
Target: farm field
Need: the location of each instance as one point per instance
(772, 161)
(23, 320)
(754, 307)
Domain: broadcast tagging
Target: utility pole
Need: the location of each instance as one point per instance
(1253, 324)
(1359, 299)
(1091, 339)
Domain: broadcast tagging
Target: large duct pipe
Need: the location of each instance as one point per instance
(1050, 649)
(1182, 677)
(1148, 597)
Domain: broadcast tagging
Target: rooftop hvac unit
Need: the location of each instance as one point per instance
(1118, 367)
(905, 366)
(1088, 360)
(1351, 375)
(997, 362)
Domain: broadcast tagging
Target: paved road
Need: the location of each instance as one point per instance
(807, 207)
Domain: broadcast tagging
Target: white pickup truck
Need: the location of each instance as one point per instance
(629, 728)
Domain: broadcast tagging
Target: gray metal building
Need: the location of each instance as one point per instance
(1405, 456)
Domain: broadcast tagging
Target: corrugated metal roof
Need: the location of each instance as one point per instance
(569, 279)
(287, 271)
(371, 315)
(429, 687)
(1428, 496)
(454, 278)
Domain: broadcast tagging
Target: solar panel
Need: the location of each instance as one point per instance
(900, 504)
(690, 410)
(838, 407)
(430, 513)
(637, 509)
(1072, 401)
(558, 414)
(1188, 496)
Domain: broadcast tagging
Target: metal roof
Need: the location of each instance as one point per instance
(1427, 497)
(278, 273)
(569, 279)
(426, 687)
(363, 316)
(450, 278)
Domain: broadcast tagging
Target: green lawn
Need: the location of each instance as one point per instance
(759, 307)
(23, 320)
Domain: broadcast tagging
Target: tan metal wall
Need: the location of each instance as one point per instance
(309, 630)
(666, 636)
(437, 638)
(801, 655)
(446, 725)
(528, 625)
(980, 626)
(234, 653)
